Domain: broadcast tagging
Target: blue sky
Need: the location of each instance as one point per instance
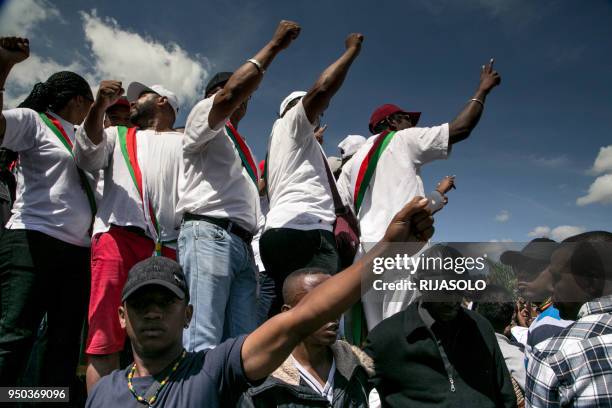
(525, 166)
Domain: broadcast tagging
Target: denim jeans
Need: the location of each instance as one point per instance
(222, 279)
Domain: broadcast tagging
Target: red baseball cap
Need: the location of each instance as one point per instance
(386, 110)
(122, 101)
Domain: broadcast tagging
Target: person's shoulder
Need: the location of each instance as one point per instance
(483, 324)
(106, 387)
(23, 115)
(389, 328)
(349, 354)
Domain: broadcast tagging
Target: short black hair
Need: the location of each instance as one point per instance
(591, 259)
(293, 278)
(497, 306)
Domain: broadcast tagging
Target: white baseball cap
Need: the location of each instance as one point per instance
(293, 95)
(335, 163)
(135, 89)
(350, 145)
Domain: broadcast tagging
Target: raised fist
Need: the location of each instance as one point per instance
(13, 50)
(413, 223)
(108, 93)
(489, 78)
(354, 40)
(286, 32)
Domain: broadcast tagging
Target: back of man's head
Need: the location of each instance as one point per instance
(496, 305)
(591, 259)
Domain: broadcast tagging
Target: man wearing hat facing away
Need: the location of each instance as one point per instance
(219, 203)
(136, 216)
(298, 231)
(386, 171)
(155, 309)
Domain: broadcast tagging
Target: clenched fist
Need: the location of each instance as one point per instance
(108, 93)
(354, 40)
(13, 50)
(286, 32)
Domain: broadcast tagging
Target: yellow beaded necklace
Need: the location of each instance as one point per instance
(151, 400)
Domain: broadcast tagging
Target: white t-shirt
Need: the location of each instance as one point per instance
(214, 182)
(298, 187)
(50, 198)
(159, 159)
(397, 178)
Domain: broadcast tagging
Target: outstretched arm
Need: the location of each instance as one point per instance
(13, 50)
(319, 96)
(268, 346)
(245, 79)
(461, 127)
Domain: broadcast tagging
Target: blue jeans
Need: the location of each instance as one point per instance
(222, 279)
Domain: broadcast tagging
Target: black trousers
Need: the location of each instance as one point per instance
(40, 274)
(284, 250)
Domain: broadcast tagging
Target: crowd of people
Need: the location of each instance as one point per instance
(232, 281)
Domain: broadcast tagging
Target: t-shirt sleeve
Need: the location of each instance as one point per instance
(22, 126)
(197, 130)
(93, 157)
(424, 145)
(224, 364)
(298, 125)
(344, 184)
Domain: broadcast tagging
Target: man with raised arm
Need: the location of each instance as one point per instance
(136, 216)
(219, 202)
(298, 231)
(385, 173)
(155, 308)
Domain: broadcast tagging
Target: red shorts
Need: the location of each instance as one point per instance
(113, 254)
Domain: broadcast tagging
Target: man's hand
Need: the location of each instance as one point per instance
(318, 134)
(489, 78)
(108, 93)
(446, 185)
(286, 32)
(354, 40)
(413, 223)
(13, 50)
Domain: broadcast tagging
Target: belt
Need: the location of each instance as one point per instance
(224, 223)
(133, 229)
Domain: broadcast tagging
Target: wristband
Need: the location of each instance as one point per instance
(257, 64)
(478, 100)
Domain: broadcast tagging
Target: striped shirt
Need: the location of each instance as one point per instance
(326, 390)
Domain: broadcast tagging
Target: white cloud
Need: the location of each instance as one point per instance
(599, 192)
(26, 74)
(550, 162)
(128, 56)
(20, 17)
(503, 216)
(501, 240)
(558, 233)
(603, 161)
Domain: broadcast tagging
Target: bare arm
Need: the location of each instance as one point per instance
(461, 127)
(108, 93)
(246, 79)
(13, 50)
(268, 346)
(319, 96)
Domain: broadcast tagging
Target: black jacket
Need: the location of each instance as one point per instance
(409, 370)
(285, 389)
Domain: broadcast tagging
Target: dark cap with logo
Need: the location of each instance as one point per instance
(219, 79)
(156, 270)
(539, 250)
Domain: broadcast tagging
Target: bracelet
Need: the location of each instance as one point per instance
(479, 101)
(257, 64)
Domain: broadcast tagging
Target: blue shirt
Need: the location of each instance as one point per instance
(209, 378)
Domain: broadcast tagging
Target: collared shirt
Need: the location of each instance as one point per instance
(397, 178)
(159, 158)
(298, 186)
(326, 390)
(514, 358)
(548, 324)
(214, 181)
(50, 198)
(574, 368)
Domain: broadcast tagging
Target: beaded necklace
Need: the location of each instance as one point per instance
(151, 400)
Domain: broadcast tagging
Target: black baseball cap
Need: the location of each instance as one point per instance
(219, 79)
(539, 249)
(156, 270)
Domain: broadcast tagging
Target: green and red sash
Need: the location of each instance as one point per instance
(57, 128)
(368, 166)
(243, 151)
(127, 141)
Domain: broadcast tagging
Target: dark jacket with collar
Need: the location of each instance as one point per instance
(284, 387)
(409, 370)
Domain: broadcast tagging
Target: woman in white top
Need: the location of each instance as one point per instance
(44, 250)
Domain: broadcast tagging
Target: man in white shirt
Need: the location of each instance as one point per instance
(136, 216)
(396, 175)
(298, 231)
(219, 202)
